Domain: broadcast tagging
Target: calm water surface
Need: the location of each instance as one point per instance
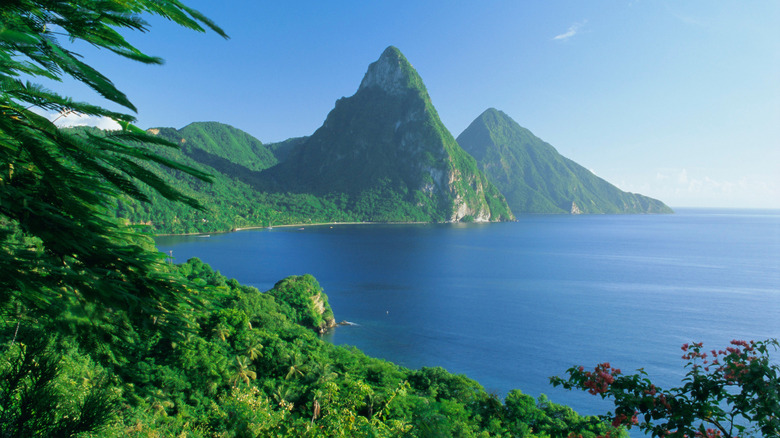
(512, 304)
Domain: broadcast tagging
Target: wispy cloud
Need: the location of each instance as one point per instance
(75, 119)
(693, 187)
(103, 123)
(685, 18)
(574, 29)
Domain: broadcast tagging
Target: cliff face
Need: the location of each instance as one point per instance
(321, 307)
(386, 146)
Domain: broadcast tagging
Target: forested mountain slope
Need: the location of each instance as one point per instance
(535, 178)
(381, 155)
(232, 200)
(387, 154)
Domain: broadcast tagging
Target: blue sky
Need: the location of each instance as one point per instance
(675, 100)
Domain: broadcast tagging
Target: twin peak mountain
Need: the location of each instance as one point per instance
(384, 154)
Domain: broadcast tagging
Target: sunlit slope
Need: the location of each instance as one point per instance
(535, 178)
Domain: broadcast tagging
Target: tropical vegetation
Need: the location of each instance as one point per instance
(245, 364)
(232, 198)
(732, 392)
(100, 336)
(380, 156)
(388, 153)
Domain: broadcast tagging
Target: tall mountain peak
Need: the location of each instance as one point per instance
(535, 178)
(493, 114)
(386, 154)
(392, 72)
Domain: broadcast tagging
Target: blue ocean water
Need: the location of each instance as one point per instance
(512, 304)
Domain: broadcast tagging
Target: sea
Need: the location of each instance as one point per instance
(512, 304)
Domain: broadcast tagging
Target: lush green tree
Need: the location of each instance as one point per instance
(522, 415)
(242, 372)
(731, 393)
(56, 187)
(200, 385)
(40, 396)
(302, 300)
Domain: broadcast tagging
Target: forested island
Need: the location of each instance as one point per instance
(101, 336)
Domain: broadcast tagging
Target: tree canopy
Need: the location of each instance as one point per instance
(56, 188)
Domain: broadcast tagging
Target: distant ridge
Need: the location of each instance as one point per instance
(535, 178)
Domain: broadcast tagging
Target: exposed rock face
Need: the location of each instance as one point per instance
(319, 305)
(387, 73)
(386, 148)
(575, 209)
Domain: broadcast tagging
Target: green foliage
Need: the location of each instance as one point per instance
(40, 399)
(243, 367)
(303, 302)
(535, 178)
(232, 199)
(226, 142)
(282, 149)
(87, 341)
(731, 393)
(57, 187)
(379, 157)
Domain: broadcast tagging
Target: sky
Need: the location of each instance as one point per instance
(679, 101)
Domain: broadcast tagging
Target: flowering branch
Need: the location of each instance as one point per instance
(729, 393)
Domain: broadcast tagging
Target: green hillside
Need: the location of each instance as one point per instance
(232, 199)
(227, 142)
(282, 149)
(535, 178)
(381, 155)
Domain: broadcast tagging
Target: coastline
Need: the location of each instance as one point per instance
(677, 210)
(320, 224)
(300, 225)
